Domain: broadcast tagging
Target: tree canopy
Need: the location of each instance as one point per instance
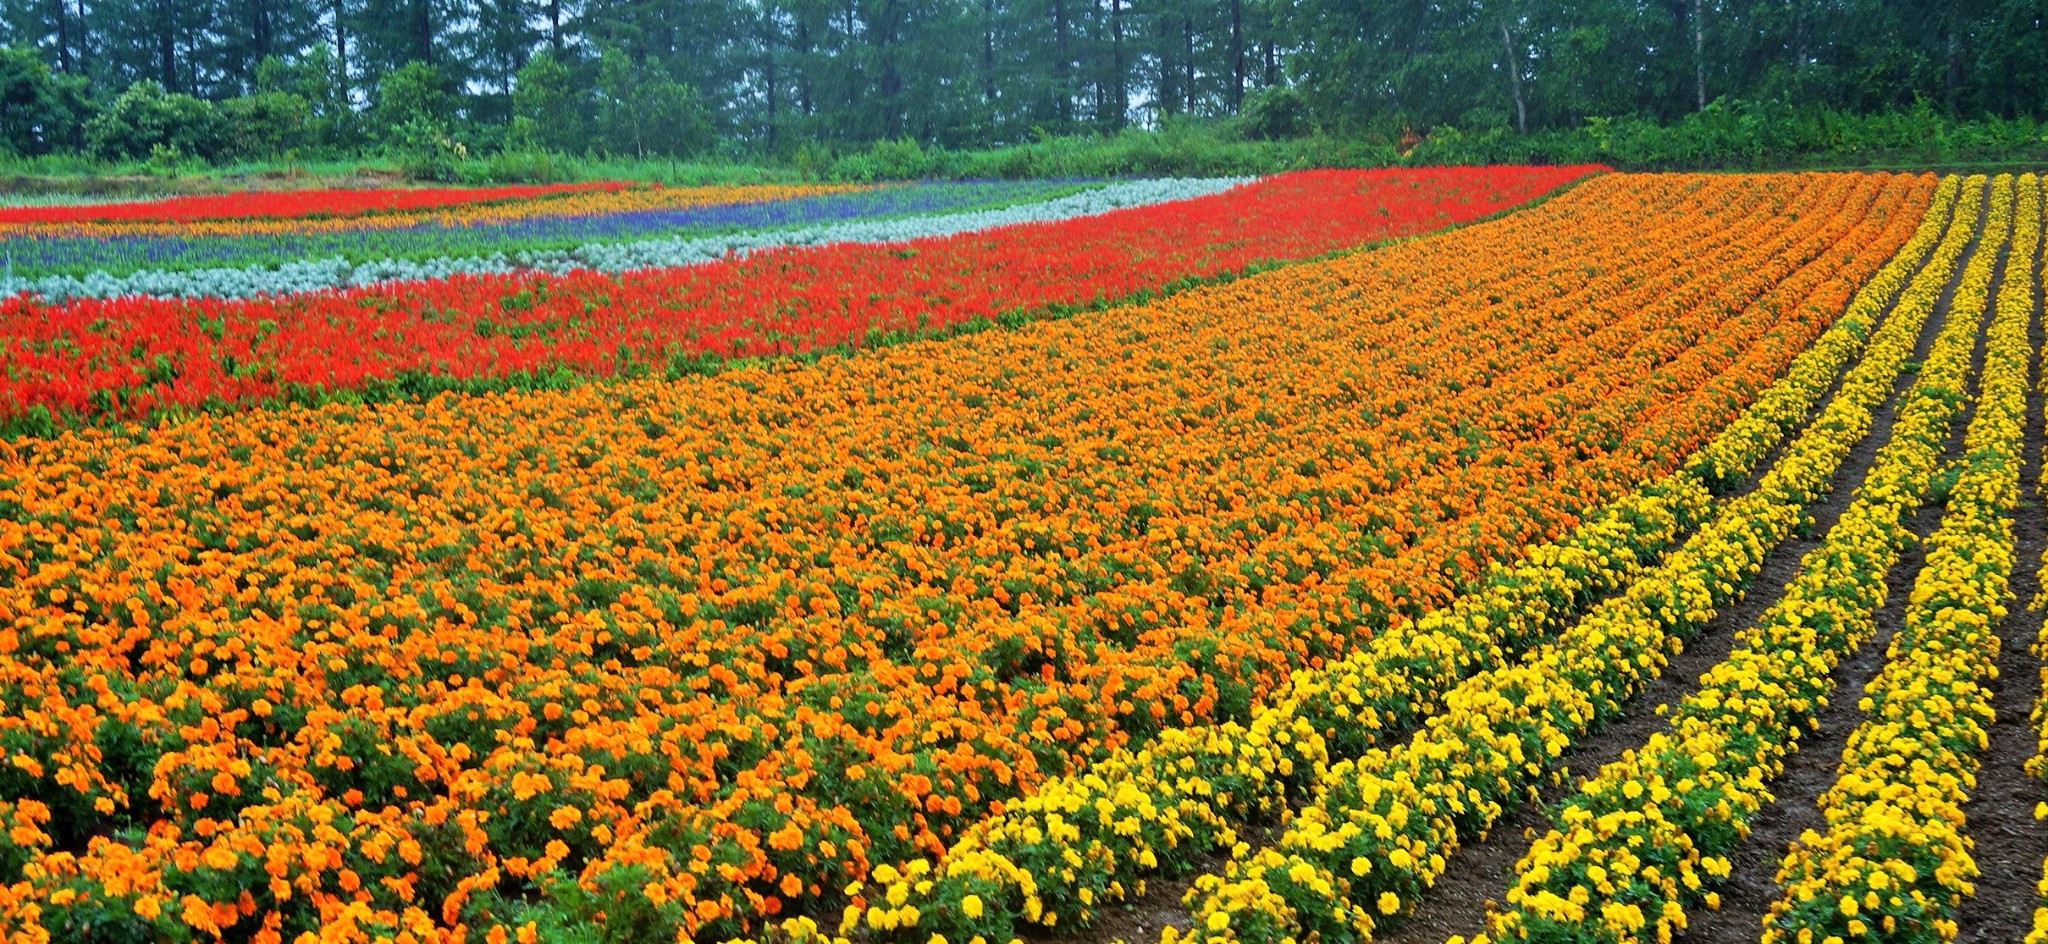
(755, 76)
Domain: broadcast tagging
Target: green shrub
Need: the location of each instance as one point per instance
(145, 120)
(1276, 113)
(409, 97)
(266, 124)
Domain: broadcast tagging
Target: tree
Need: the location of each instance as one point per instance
(542, 96)
(313, 77)
(39, 112)
(414, 92)
(643, 112)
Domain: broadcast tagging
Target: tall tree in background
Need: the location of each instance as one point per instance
(773, 74)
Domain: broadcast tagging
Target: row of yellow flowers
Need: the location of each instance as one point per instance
(1894, 863)
(1056, 856)
(1378, 831)
(2037, 766)
(1641, 840)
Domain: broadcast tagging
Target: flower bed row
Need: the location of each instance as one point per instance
(291, 204)
(1155, 811)
(130, 356)
(243, 260)
(2037, 766)
(1894, 863)
(1647, 836)
(691, 656)
(611, 199)
(1376, 831)
(1281, 625)
(610, 242)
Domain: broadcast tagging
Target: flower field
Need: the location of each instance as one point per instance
(1423, 554)
(131, 355)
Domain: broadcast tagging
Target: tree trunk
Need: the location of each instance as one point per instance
(1955, 66)
(1168, 89)
(1699, 56)
(259, 31)
(1236, 55)
(1063, 105)
(988, 51)
(166, 45)
(83, 61)
(1513, 63)
(1119, 85)
(769, 77)
(803, 72)
(852, 85)
(340, 51)
(555, 27)
(422, 31)
(892, 76)
(63, 37)
(1187, 30)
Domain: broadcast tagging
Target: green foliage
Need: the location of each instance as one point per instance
(544, 107)
(899, 159)
(39, 112)
(1755, 136)
(642, 111)
(1277, 113)
(147, 121)
(412, 96)
(426, 151)
(314, 77)
(870, 90)
(267, 124)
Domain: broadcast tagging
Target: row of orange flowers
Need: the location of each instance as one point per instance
(682, 656)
